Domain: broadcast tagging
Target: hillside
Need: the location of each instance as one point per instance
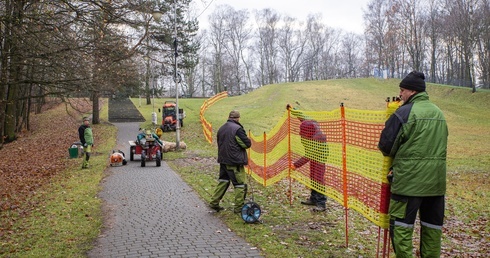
(26, 181)
(467, 114)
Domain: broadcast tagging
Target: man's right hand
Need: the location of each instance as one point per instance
(389, 177)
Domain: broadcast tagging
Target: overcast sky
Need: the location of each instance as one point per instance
(344, 14)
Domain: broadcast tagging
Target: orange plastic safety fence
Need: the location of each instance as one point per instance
(207, 128)
(334, 152)
(340, 160)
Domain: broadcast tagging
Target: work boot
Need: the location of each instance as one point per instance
(308, 202)
(319, 209)
(85, 164)
(216, 208)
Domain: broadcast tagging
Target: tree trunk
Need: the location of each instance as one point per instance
(95, 107)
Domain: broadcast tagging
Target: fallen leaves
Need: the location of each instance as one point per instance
(33, 159)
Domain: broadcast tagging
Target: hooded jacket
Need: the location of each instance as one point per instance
(316, 149)
(232, 144)
(85, 135)
(415, 136)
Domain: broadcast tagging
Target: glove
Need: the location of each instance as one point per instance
(389, 177)
(84, 145)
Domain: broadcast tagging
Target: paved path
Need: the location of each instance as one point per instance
(151, 212)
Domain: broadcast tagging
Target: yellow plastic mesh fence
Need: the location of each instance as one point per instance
(334, 152)
(207, 128)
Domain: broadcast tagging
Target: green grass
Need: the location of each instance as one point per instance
(292, 231)
(70, 217)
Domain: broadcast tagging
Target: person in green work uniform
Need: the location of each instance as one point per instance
(415, 136)
(232, 157)
(87, 140)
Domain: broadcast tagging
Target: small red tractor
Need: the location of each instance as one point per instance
(148, 147)
(170, 116)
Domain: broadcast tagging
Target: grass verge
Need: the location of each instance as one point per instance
(292, 230)
(67, 216)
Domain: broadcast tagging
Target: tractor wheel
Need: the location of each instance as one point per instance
(131, 153)
(143, 159)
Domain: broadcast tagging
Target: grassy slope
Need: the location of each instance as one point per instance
(68, 218)
(283, 232)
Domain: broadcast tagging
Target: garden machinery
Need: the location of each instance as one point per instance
(148, 146)
(170, 116)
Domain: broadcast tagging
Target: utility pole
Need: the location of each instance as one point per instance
(177, 80)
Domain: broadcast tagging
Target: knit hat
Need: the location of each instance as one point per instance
(414, 81)
(234, 114)
(86, 119)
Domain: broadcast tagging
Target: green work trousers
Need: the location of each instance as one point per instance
(403, 212)
(87, 150)
(236, 175)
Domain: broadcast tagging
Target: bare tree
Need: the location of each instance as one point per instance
(292, 43)
(217, 39)
(434, 31)
(237, 34)
(482, 33)
(267, 21)
(350, 55)
(459, 28)
(315, 32)
(376, 31)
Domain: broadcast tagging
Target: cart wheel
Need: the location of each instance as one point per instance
(143, 159)
(131, 153)
(251, 212)
(158, 160)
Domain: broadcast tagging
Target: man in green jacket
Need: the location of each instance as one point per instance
(87, 140)
(415, 136)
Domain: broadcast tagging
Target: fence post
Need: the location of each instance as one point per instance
(248, 154)
(344, 171)
(265, 160)
(290, 159)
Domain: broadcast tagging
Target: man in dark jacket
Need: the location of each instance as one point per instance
(232, 157)
(415, 136)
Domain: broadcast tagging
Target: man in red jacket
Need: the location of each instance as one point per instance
(316, 152)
